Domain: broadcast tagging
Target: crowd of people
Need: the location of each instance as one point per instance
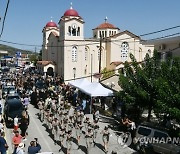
(62, 116)
(61, 109)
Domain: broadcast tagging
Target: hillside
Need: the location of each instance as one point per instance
(13, 50)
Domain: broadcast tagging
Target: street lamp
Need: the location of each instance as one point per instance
(74, 72)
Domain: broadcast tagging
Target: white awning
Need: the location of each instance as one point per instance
(93, 89)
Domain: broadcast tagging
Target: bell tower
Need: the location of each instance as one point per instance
(71, 25)
(47, 30)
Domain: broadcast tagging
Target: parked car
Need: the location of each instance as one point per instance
(155, 137)
(12, 108)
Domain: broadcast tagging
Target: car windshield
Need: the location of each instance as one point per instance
(11, 89)
(13, 97)
(144, 131)
(16, 107)
(160, 135)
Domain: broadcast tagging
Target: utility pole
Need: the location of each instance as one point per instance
(91, 66)
(100, 50)
(35, 50)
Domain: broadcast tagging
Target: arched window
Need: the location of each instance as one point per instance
(98, 54)
(69, 30)
(149, 52)
(103, 34)
(86, 53)
(73, 32)
(78, 31)
(74, 54)
(124, 51)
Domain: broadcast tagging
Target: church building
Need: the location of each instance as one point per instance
(75, 56)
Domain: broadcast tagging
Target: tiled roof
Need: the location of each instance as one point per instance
(44, 63)
(106, 25)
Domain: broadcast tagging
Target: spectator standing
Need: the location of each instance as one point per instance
(24, 124)
(1, 125)
(16, 123)
(0, 107)
(19, 149)
(26, 101)
(34, 147)
(3, 144)
(17, 138)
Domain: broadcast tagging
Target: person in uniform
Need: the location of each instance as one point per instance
(105, 138)
(55, 130)
(61, 136)
(89, 139)
(78, 132)
(69, 141)
(95, 130)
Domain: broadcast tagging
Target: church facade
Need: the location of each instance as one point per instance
(75, 56)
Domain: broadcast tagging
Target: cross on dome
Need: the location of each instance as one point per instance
(106, 18)
(71, 5)
(71, 12)
(51, 19)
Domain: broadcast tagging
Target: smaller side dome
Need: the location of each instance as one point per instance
(106, 25)
(51, 24)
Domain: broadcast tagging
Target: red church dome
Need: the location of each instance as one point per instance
(71, 12)
(51, 24)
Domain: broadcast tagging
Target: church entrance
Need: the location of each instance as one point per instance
(50, 71)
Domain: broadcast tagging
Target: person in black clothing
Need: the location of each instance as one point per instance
(34, 98)
(24, 122)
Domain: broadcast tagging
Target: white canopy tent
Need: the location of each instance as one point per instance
(80, 83)
(95, 89)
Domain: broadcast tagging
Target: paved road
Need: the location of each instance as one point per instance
(36, 129)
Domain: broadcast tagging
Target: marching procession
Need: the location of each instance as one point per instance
(61, 111)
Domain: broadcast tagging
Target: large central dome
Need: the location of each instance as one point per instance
(71, 12)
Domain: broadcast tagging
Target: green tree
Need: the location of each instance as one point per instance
(168, 85)
(151, 85)
(33, 58)
(107, 73)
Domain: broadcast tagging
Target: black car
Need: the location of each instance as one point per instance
(13, 96)
(12, 108)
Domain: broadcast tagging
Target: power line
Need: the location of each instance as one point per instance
(105, 39)
(164, 36)
(150, 33)
(160, 31)
(4, 19)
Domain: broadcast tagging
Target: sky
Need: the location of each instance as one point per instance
(26, 18)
